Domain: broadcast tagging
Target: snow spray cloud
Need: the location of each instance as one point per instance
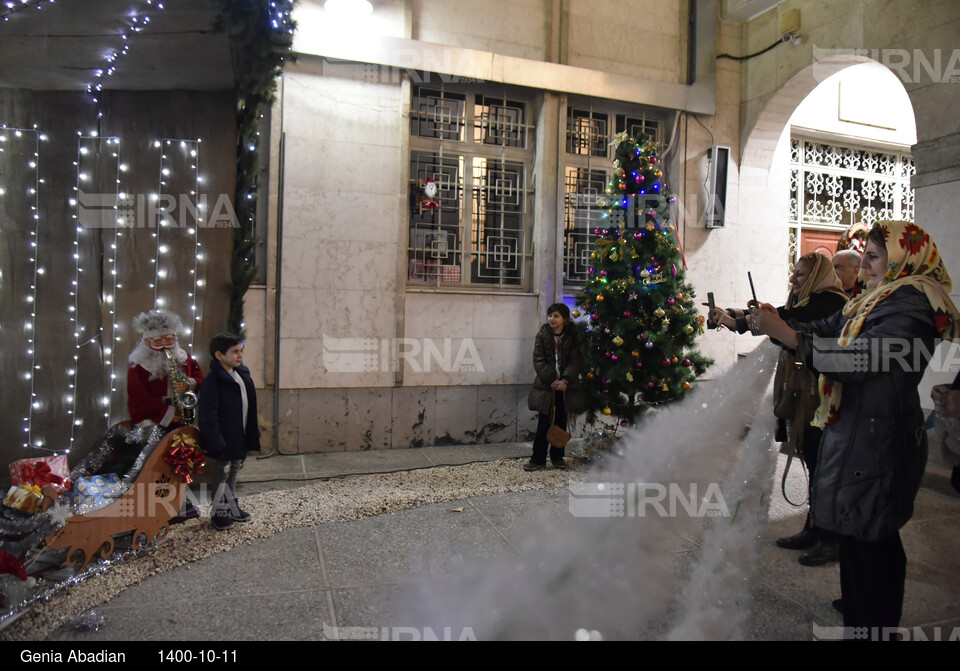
(623, 577)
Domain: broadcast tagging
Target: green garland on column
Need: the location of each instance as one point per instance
(261, 40)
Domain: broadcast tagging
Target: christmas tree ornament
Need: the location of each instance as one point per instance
(618, 341)
(607, 411)
(575, 314)
(629, 377)
(658, 313)
(685, 386)
(666, 362)
(674, 360)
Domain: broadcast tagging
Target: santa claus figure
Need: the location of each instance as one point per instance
(150, 391)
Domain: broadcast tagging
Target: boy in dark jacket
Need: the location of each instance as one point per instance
(228, 424)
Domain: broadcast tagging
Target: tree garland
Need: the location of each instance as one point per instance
(261, 41)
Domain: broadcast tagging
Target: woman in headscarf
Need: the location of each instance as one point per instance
(871, 357)
(815, 293)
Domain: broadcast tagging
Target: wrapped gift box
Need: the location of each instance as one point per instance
(40, 471)
(95, 490)
(26, 499)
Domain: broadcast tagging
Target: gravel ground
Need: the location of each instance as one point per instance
(338, 500)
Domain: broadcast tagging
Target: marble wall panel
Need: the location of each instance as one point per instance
(340, 102)
(350, 265)
(509, 27)
(512, 317)
(526, 418)
(340, 313)
(414, 416)
(328, 163)
(323, 420)
(456, 416)
(433, 315)
(289, 421)
(368, 419)
(253, 346)
(497, 414)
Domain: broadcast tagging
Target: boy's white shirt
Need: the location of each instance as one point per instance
(243, 394)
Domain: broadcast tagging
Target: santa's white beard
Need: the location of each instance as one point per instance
(154, 361)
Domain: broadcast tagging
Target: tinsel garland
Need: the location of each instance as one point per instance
(261, 40)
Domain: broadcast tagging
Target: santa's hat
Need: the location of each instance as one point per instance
(154, 323)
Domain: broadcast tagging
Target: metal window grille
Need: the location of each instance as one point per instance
(833, 186)
(587, 132)
(500, 122)
(438, 114)
(478, 233)
(586, 174)
(499, 203)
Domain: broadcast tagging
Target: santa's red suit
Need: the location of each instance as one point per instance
(145, 396)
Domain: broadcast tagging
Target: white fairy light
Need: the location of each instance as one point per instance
(170, 235)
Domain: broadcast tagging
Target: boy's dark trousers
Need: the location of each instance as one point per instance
(224, 495)
(540, 444)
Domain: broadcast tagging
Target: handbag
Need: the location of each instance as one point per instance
(556, 436)
(795, 391)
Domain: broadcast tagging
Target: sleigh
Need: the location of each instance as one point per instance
(142, 513)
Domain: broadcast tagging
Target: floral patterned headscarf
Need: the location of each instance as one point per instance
(821, 277)
(912, 260)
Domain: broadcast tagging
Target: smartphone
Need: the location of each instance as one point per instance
(752, 291)
(711, 305)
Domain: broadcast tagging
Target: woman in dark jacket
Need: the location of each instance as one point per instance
(871, 357)
(815, 293)
(556, 387)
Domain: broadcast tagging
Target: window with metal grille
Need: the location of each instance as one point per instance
(472, 226)
(833, 186)
(587, 170)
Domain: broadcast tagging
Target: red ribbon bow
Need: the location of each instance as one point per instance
(39, 474)
(186, 460)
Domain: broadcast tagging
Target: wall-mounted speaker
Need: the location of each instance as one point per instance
(718, 166)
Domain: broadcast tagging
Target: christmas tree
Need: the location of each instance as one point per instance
(638, 340)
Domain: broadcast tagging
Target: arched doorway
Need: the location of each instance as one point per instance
(835, 158)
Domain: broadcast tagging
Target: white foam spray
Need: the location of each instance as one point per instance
(624, 577)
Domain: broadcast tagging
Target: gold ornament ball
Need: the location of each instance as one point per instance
(590, 376)
(600, 298)
(593, 255)
(688, 329)
(674, 360)
(618, 341)
(685, 386)
(679, 297)
(575, 314)
(635, 354)
(607, 411)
